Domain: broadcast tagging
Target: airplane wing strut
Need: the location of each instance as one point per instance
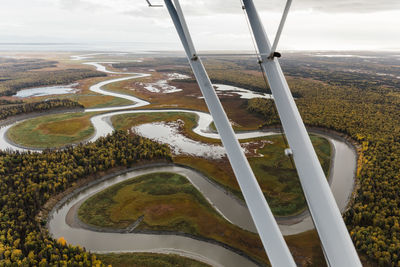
(336, 242)
(271, 237)
(337, 245)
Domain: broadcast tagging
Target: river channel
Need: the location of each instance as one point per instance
(61, 221)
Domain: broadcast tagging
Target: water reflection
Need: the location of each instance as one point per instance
(48, 90)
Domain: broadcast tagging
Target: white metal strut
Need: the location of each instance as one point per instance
(280, 28)
(271, 237)
(335, 239)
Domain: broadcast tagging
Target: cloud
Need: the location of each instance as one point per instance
(349, 6)
(214, 24)
(139, 8)
(212, 7)
(73, 5)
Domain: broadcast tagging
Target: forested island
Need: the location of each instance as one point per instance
(28, 180)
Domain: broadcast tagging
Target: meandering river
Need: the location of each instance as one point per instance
(61, 222)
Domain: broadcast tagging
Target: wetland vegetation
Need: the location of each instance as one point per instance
(345, 95)
(360, 100)
(52, 131)
(275, 171)
(167, 202)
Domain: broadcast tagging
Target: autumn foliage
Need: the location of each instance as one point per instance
(28, 180)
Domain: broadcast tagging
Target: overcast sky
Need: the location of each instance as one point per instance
(215, 24)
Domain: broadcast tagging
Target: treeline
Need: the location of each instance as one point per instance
(240, 73)
(17, 74)
(372, 118)
(24, 64)
(153, 63)
(10, 102)
(229, 72)
(13, 110)
(232, 73)
(28, 180)
(18, 81)
(220, 71)
(364, 71)
(367, 73)
(357, 78)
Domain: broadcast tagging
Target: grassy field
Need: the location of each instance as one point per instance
(52, 131)
(188, 98)
(169, 202)
(93, 100)
(103, 101)
(127, 121)
(148, 260)
(88, 98)
(274, 171)
(306, 249)
(278, 176)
